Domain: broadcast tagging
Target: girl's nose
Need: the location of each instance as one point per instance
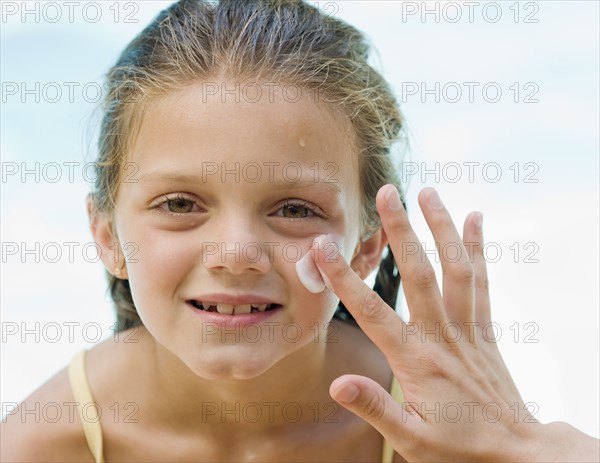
(238, 249)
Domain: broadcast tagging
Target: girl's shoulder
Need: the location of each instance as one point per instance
(46, 426)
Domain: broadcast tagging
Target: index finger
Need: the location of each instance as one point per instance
(378, 320)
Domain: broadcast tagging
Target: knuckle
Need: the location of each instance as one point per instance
(424, 277)
(373, 408)
(464, 273)
(372, 305)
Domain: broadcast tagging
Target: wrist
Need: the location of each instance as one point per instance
(560, 442)
(534, 442)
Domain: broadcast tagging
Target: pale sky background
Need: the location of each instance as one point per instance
(548, 293)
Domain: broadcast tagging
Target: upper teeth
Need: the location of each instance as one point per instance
(231, 309)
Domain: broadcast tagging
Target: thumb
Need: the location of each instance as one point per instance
(368, 400)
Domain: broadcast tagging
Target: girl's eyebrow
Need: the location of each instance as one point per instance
(330, 185)
(313, 179)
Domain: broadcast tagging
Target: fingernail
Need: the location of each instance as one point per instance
(347, 393)
(434, 200)
(478, 220)
(392, 199)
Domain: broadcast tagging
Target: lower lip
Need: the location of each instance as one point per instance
(233, 321)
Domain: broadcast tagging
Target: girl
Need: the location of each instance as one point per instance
(244, 188)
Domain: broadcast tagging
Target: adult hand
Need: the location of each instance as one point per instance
(460, 402)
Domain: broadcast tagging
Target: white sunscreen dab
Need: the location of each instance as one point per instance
(309, 274)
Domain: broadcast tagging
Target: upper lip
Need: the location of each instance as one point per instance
(237, 299)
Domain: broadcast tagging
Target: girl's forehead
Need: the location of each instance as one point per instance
(285, 106)
(224, 122)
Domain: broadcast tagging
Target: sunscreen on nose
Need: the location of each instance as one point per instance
(309, 275)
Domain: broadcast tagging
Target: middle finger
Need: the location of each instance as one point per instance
(418, 277)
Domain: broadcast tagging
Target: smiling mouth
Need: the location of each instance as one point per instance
(230, 309)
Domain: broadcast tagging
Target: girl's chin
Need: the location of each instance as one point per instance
(229, 364)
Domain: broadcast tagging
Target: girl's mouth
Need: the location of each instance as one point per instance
(230, 309)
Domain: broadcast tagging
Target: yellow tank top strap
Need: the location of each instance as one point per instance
(84, 400)
(396, 392)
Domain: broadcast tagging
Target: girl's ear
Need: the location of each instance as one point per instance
(101, 226)
(367, 255)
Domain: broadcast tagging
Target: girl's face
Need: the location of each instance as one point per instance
(222, 193)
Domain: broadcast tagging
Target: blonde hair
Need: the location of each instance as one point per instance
(287, 41)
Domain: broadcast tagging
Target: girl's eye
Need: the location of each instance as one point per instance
(297, 210)
(180, 205)
(176, 205)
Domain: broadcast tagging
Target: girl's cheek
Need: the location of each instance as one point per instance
(157, 256)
